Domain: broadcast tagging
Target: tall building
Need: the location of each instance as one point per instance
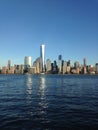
(42, 56)
(37, 64)
(69, 63)
(55, 67)
(48, 66)
(76, 65)
(64, 67)
(60, 63)
(97, 68)
(27, 62)
(84, 60)
(84, 69)
(9, 64)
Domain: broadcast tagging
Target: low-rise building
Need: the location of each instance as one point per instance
(11, 70)
(19, 69)
(4, 70)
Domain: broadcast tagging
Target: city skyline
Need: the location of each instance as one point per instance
(67, 27)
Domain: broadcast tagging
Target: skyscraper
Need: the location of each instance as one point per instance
(84, 69)
(48, 65)
(76, 65)
(64, 67)
(84, 61)
(60, 63)
(42, 56)
(27, 62)
(9, 64)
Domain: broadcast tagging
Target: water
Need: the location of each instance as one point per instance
(48, 102)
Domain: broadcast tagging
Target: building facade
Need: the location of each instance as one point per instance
(64, 67)
(27, 62)
(60, 63)
(97, 68)
(42, 56)
(9, 64)
(48, 66)
(76, 65)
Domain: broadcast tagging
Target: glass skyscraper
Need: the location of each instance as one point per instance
(27, 62)
(42, 56)
(60, 63)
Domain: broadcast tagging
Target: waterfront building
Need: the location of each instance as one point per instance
(84, 61)
(48, 66)
(68, 69)
(96, 66)
(38, 65)
(52, 67)
(64, 67)
(27, 62)
(0, 70)
(4, 70)
(19, 69)
(55, 67)
(42, 56)
(69, 63)
(32, 70)
(9, 64)
(59, 63)
(84, 68)
(76, 65)
(11, 70)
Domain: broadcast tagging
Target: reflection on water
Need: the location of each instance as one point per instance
(29, 84)
(43, 102)
(42, 85)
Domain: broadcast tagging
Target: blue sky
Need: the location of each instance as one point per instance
(67, 27)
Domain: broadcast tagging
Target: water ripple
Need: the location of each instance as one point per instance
(37, 102)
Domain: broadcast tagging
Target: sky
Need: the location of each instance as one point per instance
(66, 27)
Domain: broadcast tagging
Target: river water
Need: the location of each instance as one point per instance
(48, 102)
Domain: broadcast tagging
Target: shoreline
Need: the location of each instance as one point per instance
(51, 74)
